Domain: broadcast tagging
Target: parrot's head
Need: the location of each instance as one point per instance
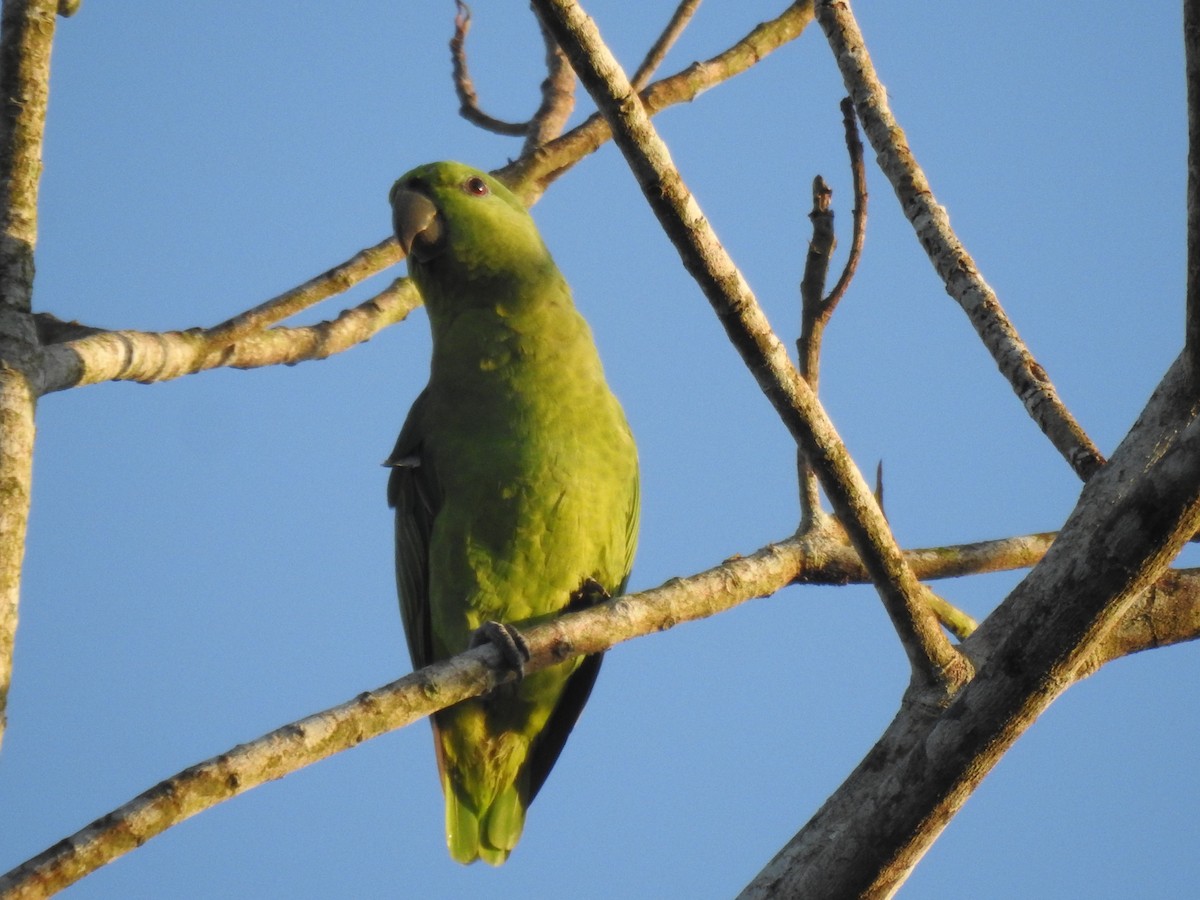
(464, 233)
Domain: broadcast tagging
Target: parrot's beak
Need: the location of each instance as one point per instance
(416, 222)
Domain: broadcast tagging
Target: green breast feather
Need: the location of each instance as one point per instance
(515, 486)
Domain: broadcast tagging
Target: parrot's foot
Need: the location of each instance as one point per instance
(505, 638)
(587, 595)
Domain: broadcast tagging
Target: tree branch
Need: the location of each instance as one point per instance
(953, 263)
(658, 52)
(26, 36)
(806, 559)
(468, 100)
(558, 97)
(936, 664)
(529, 176)
(149, 357)
(1132, 518)
(102, 355)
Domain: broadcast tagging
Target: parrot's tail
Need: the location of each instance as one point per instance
(490, 835)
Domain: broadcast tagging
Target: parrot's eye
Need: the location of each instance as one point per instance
(475, 186)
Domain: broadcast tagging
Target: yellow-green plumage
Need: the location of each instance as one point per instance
(515, 487)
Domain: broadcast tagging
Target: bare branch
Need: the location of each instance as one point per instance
(558, 97)
(26, 36)
(657, 53)
(96, 355)
(812, 326)
(1132, 518)
(468, 100)
(809, 559)
(530, 175)
(148, 357)
(558, 90)
(858, 172)
(340, 278)
(953, 264)
(936, 664)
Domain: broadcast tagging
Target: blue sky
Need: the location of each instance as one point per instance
(211, 558)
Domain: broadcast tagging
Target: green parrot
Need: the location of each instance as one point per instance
(515, 485)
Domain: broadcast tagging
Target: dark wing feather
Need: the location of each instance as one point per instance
(413, 493)
(549, 742)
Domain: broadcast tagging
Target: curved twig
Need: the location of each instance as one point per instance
(468, 100)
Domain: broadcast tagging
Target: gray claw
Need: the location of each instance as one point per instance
(505, 638)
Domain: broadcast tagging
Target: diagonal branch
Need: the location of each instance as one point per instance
(658, 52)
(806, 560)
(935, 663)
(529, 176)
(1132, 518)
(558, 97)
(148, 357)
(99, 355)
(951, 260)
(26, 36)
(815, 308)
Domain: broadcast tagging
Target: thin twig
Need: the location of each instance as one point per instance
(340, 278)
(812, 327)
(858, 172)
(953, 264)
(936, 664)
(815, 310)
(679, 21)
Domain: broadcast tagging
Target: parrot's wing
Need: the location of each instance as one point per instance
(551, 739)
(549, 743)
(413, 492)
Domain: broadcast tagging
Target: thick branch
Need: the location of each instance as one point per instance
(951, 260)
(26, 36)
(1132, 518)
(935, 662)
